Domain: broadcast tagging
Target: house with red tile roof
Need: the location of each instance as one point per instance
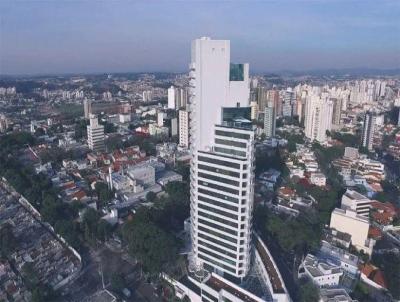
(373, 276)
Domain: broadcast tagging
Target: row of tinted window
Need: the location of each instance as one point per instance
(218, 242)
(218, 219)
(218, 170)
(217, 195)
(209, 296)
(219, 179)
(217, 187)
(217, 249)
(230, 151)
(219, 257)
(218, 162)
(232, 134)
(216, 211)
(217, 226)
(216, 263)
(230, 143)
(217, 234)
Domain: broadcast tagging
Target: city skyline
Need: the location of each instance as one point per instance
(121, 36)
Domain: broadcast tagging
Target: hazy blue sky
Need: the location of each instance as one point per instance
(59, 36)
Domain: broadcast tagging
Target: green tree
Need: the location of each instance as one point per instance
(151, 196)
(8, 242)
(150, 244)
(390, 264)
(104, 194)
(117, 282)
(308, 291)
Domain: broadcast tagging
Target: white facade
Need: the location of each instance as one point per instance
(321, 273)
(356, 202)
(318, 179)
(222, 165)
(211, 88)
(357, 226)
(318, 117)
(95, 134)
(171, 97)
(183, 128)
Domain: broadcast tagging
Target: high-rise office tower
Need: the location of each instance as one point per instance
(318, 117)
(87, 107)
(95, 134)
(368, 130)
(183, 128)
(269, 121)
(222, 145)
(171, 97)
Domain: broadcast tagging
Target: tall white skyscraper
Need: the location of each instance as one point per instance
(368, 130)
(95, 134)
(222, 144)
(318, 116)
(171, 97)
(183, 128)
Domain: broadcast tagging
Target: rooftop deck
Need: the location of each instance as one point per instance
(274, 277)
(218, 285)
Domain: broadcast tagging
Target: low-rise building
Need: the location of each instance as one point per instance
(357, 202)
(322, 273)
(318, 179)
(347, 221)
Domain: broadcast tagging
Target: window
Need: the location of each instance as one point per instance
(219, 179)
(216, 211)
(230, 151)
(218, 187)
(217, 195)
(232, 134)
(219, 171)
(230, 143)
(236, 72)
(217, 203)
(218, 162)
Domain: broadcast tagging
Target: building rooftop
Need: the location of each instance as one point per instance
(219, 285)
(274, 277)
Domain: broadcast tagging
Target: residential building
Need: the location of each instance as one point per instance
(184, 128)
(322, 273)
(269, 121)
(289, 101)
(318, 117)
(87, 108)
(318, 179)
(337, 111)
(334, 295)
(357, 202)
(222, 144)
(171, 98)
(347, 221)
(254, 110)
(351, 153)
(368, 130)
(95, 134)
(3, 123)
